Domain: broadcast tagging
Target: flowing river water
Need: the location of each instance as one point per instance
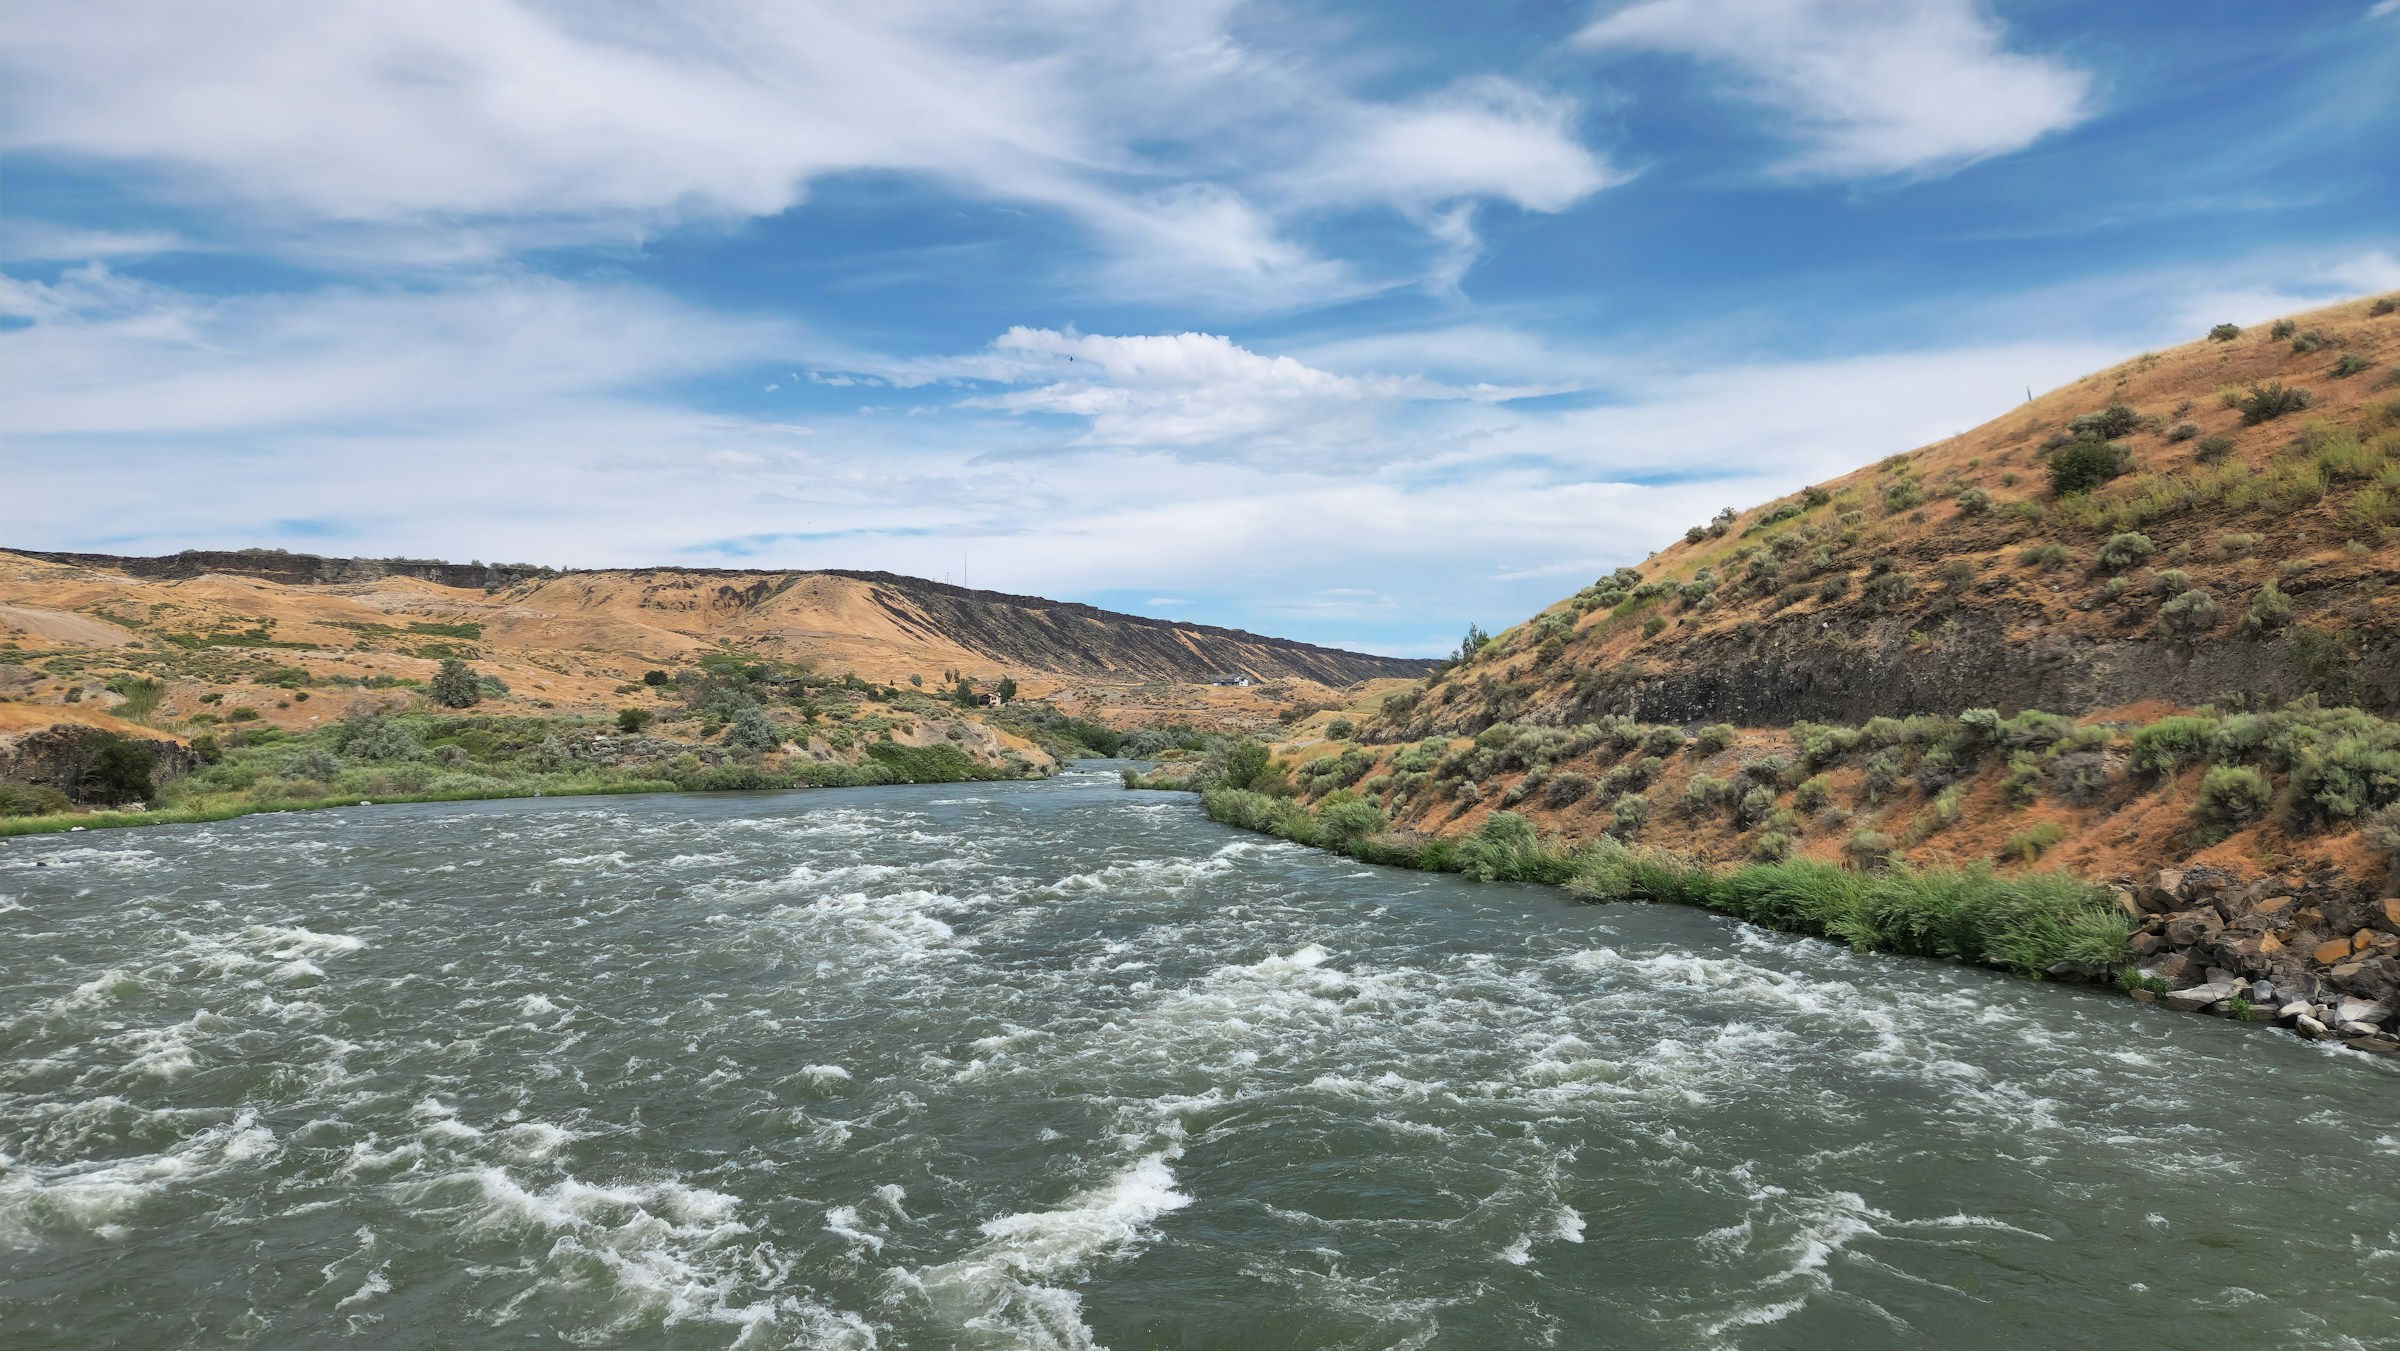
(1057, 1065)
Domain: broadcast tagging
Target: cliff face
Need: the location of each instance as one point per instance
(290, 569)
(62, 755)
(1797, 667)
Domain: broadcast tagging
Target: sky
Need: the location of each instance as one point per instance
(1351, 323)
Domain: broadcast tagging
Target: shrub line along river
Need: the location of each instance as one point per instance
(1053, 1065)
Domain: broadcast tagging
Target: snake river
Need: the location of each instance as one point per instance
(1053, 1064)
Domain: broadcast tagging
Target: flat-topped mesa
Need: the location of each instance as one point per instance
(882, 624)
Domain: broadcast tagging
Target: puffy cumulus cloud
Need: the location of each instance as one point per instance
(1871, 87)
(429, 130)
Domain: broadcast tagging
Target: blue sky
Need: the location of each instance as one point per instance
(1351, 323)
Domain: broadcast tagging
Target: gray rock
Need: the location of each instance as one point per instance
(2364, 1011)
(2353, 1029)
(2376, 1044)
(2298, 1008)
(2197, 998)
(2310, 1028)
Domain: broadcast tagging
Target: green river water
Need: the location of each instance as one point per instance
(1056, 1065)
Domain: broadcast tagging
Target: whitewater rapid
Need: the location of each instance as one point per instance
(1054, 1065)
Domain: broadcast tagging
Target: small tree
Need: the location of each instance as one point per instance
(454, 685)
(1007, 689)
(633, 719)
(115, 770)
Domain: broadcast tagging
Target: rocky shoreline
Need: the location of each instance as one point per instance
(2311, 957)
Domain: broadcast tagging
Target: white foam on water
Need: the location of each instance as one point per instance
(667, 1253)
(1005, 1285)
(286, 944)
(101, 1199)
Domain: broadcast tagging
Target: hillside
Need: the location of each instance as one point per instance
(2173, 676)
(573, 641)
(1953, 576)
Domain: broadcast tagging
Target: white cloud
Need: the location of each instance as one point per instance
(1202, 395)
(26, 241)
(436, 131)
(1485, 137)
(1871, 87)
(110, 354)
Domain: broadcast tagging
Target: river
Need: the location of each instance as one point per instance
(1057, 1065)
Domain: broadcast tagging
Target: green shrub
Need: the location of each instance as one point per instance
(31, 799)
(1341, 823)
(1867, 848)
(2312, 340)
(2081, 466)
(2269, 609)
(2118, 419)
(376, 739)
(2380, 828)
(754, 731)
(2214, 448)
(2030, 844)
(2044, 556)
(1714, 738)
(1772, 846)
(2124, 550)
(1813, 793)
(2271, 399)
(2183, 431)
(1341, 729)
(1566, 788)
(633, 719)
(1885, 590)
(2173, 742)
(2349, 364)
(1662, 740)
(1755, 806)
(1506, 848)
(1702, 792)
(2225, 332)
(2188, 615)
(1626, 815)
(2282, 328)
(1973, 501)
(2233, 794)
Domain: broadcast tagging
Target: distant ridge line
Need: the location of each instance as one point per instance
(299, 569)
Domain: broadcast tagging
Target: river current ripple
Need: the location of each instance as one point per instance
(1056, 1065)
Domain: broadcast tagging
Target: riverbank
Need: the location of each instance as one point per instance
(2159, 945)
(457, 758)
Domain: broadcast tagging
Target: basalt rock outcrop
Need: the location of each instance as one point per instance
(63, 755)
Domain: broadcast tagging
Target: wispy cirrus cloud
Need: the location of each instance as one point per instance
(1868, 87)
(1186, 153)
